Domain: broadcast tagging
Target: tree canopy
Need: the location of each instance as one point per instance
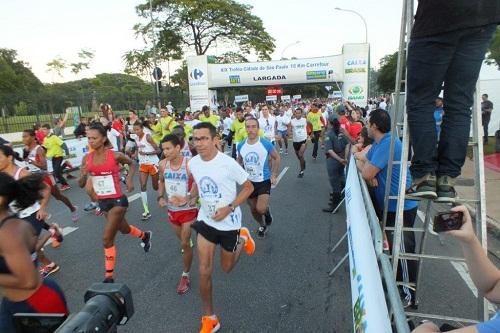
(493, 55)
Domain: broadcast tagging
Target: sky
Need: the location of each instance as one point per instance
(43, 30)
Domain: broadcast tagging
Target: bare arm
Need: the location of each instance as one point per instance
(82, 181)
(123, 159)
(276, 165)
(153, 144)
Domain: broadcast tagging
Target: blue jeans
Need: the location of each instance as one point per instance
(454, 58)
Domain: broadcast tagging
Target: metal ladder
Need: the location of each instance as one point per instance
(399, 128)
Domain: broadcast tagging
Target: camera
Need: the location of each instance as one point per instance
(107, 305)
(448, 221)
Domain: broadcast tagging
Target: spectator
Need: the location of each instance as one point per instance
(373, 167)
(438, 115)
(484, 274)
(39, 134)
(445, 49)
(59, 125)
(382, 105)
(486, 108)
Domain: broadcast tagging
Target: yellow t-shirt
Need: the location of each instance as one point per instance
(315, 119)
(236, 127)
(53, 144)
(212, 119)
(157, 134)
(164, 122)
(188, 131)
(242, 134)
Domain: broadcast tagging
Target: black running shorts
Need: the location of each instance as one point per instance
(228, 240)
(297, 145)
(105, 205)
(261, 188)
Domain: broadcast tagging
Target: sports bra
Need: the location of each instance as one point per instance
(4, 269)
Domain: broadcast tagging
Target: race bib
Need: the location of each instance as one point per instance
(103, 185)
(301, 131)
(210, 206)
(252, 170)
(176, 187)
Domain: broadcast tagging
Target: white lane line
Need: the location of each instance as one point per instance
(65, 231)
(463, 271)
(282, 173)
(134, 197)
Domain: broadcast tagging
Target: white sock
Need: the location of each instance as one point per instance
(185, 274)
(144, 198)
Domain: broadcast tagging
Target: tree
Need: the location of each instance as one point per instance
(56, 66)
(199, 24)
(85, 57)
(386, 79)
(493, 55)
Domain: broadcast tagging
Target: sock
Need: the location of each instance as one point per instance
(213, 317)
(136, 232)
(144, 198)
(109, 261)
(185, 274)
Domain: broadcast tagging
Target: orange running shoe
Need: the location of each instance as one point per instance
(209, 325)
(249, 243)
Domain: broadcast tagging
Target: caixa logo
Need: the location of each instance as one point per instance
(356, 90)
(196, 74)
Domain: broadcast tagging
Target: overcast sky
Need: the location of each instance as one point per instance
(42, 30)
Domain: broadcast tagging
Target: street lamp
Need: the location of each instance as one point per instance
(362, 18)
(286, 47)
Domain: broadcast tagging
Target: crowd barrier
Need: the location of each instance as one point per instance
(376, 304)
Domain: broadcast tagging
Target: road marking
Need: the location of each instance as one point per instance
(282, 173)
(463, 271)
(134, 197)
(65, 231)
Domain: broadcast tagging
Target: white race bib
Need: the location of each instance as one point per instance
(103, 185)
(252, 170)
(176, 188)
(211, 206)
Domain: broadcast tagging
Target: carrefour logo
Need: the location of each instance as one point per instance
(356, 90)
(196, 74)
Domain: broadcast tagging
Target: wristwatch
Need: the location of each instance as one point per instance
(232, 207)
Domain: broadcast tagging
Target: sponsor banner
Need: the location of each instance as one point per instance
(272, 98)
(297, 97)
(241, 98)
(285, 98)
(369, 308)
(78, 148)
(322, 69)
(199, 95)
(355, 72)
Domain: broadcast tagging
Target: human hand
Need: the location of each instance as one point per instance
(42, 215)
(466, 232)
(221, 213)
(162, 202)
(141, 152)
(273, 180)
(373, 182)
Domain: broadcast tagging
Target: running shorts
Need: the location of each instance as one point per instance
(228, 240)
(105, 205)
(259, 188)
(297, 145)
(37, 224)
(180, 217)
(150, 169)
(49, 180)
(49, 298)
(284, 133)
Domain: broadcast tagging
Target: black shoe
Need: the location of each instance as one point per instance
(301, 174)
(330, 209)
(262, 231)
(146, 241)
(268, 217)
(108, 280)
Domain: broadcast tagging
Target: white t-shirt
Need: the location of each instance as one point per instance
(227, 122)
(267, 126)
(283, 122)
(193, 122)
(144, 146)
(216, 180)
(289, 113)
(382, 105)
(299, 129)
(256, 159)
(113, 136)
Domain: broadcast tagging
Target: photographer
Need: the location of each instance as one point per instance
(483, 272)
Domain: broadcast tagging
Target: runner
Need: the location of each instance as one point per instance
(254, 154)
(187, 149)
(298, 126)
(37, 163)
(177, 183)
(227, 122)
(55, 147)
(148, 164)
(207, 116)
(21, 286)
(267, 123)
(219, 218)
(315, 119)
(102, 166)
(166, 121)
(282, 121)
(237, 127)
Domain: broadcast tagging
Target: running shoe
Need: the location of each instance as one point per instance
(49, 269)
(146, 216)
(249, 243)
(98, 211)
(286, 152)
(209, 325)
(146, 241)
(301, 174)
(74, 215)
(109, 280)
(184, 284)
(56, 235)
(123, 179)
(261, 232)
(268, 217)
(281, 151)
(90, 206)
(65, 187)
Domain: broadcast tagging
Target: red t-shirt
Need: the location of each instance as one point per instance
(40, 136)
(117, 125)
(354, 129)
(344, 123)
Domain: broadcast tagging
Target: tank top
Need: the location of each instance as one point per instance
(27, 211)
(178, 183)
(33, 156)
(105, 177)
(185, 151)
(145, 146)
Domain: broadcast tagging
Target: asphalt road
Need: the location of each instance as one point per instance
(283, 287)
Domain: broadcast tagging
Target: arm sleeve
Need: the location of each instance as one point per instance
(267, 145)
(490, 326)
